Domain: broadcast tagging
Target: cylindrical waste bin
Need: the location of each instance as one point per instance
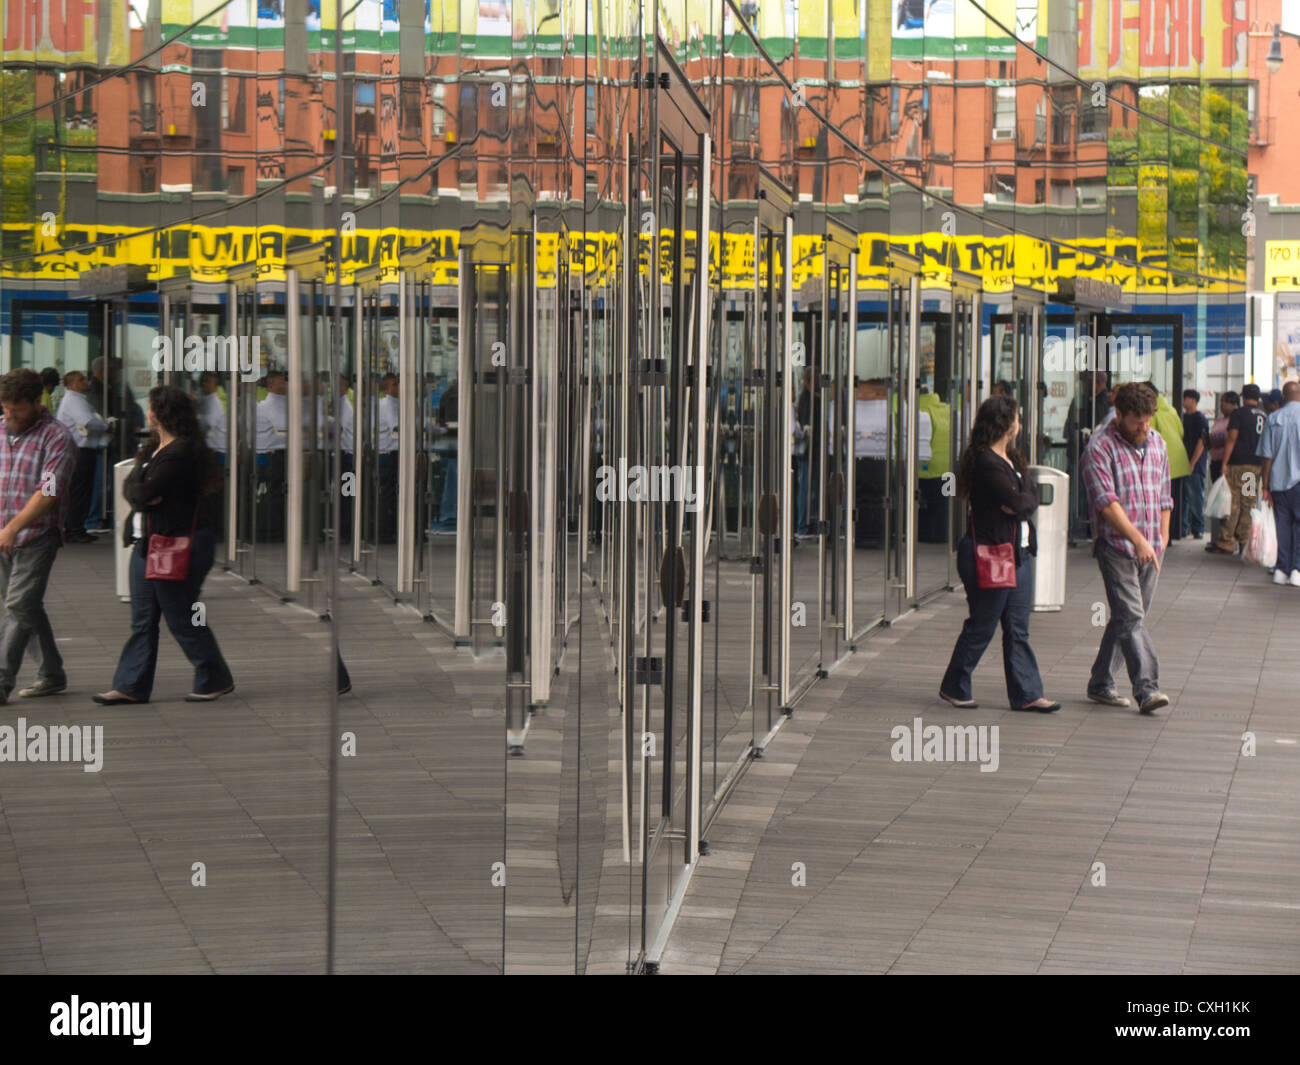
(1052, 522)
(121, 508)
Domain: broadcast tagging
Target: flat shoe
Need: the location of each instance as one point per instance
(1153, 702)
(345, 689)
(1109, 698)
(201, 697)
(104, 699)
(960, 704)
(1050, 708)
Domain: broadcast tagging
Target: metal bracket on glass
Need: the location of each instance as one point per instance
(649, 81)
(705, 610)
(653, 372)
(755, 379)
(756, 564)
(519, 375)
(649, 671)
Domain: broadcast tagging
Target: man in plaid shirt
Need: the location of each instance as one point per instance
(1126, 470)
(37, 457)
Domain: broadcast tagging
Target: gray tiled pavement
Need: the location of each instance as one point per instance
(910, 868)
(935, 867)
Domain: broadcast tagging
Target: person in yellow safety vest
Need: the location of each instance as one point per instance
(940, 414)
(1169, 424)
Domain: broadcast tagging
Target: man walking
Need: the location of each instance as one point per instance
(1280, 449)
(90, 434)
(1241, 466)
(1196, 436)
(1126, 469)
(37, 455)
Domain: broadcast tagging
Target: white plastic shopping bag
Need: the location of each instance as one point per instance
(1262, 536)
(1218, 500)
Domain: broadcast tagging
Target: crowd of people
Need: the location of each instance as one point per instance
(1142, 480)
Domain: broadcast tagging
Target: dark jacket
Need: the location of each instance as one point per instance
(994, 485)
(176, 477)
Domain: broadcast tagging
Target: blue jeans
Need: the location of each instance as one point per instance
(447, 506)
(153, 600)
(988, 608)
(1129, 590)
(1193, 516)
(801, 494)
(1286, 518)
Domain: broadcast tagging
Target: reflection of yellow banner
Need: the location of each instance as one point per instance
(1001, 261)
(1282, 266)
(63, 31)
(1144, 38)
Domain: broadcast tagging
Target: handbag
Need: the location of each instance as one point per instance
(168, 557)
(995, 564)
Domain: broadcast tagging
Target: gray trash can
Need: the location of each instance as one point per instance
(1052, 522)
(120, 509)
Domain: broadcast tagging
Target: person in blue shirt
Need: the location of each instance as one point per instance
(1196, 440)
(1279, 446)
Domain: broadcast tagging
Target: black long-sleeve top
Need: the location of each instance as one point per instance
(175, 476)
(996, 484)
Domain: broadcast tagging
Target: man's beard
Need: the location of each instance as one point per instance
(1137, 438)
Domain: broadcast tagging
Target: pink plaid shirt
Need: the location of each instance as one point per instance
(45, 454)
(1113, 472)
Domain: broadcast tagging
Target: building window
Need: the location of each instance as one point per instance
(279, 105)
(1092, 192)
(233, 103)
(467, 115)
(412, 120)
(1062, 194)
(893, 111)
(1002, 188)
(744, 112)
(439, 101)
(147, 86)
(589, 110)
(148, 177)
(1004, 112)
(1093, 122)
(365, 107)
(235, 181)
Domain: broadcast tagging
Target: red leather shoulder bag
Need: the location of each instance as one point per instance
(995, 564)
(168, 557)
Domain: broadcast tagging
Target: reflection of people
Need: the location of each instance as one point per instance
(272, 442)
(995, 480)
(1241, 467)
(388, 424)
(174, 490)
(446, 429)
(37, 455)
(1196, 434)
(212, 415)
(89, 432)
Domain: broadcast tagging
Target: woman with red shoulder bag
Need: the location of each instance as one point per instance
(994, 560)
(175, 496)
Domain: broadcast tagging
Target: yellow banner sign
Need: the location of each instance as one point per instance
(1282, 266)
(1002, 262)
(1203, 39)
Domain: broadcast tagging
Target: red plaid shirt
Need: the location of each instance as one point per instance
(1114, 472)
(45, 454)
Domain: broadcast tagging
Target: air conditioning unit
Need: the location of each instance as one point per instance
(1003, 134)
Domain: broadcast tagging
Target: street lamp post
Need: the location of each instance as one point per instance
(1274, 58)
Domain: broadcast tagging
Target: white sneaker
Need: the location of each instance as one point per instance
(1280, 578)
(1295, 578)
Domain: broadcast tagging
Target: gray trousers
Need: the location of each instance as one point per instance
(24, 573)
(1129, 591)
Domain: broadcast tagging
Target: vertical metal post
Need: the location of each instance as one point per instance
(909, 459)
(465, 455)
(851, 436)
(782, 427)
(233, 328)
(336, 363)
